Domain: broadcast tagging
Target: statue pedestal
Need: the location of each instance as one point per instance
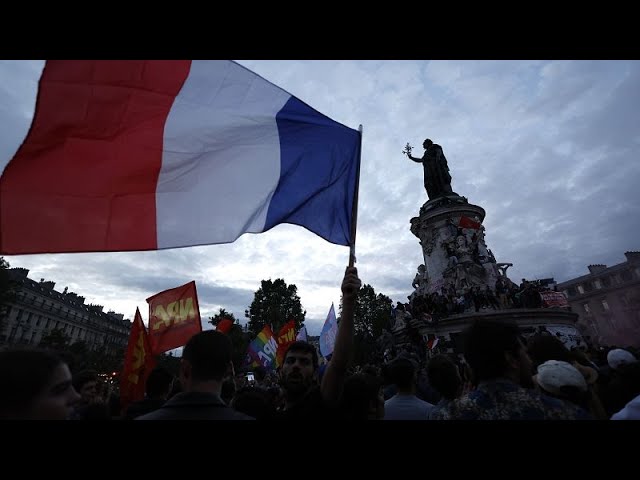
(457, 262)
(456, 257)
(558, 322)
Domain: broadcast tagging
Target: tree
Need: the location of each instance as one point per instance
(372, 312)
(371, 317)
(274, 303)
(239, 338)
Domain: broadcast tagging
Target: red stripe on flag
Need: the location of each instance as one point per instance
(85, 177)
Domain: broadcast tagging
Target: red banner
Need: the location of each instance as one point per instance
(286, 336)
(138, 363)
(174, 317)
(224, 325)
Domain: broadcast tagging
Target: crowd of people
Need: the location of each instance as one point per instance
(499, 376)
(435, 306)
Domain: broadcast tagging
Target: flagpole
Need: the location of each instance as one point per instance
(354, 209)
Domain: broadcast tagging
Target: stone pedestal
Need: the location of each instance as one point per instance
(456, 261)
(456, 257)
(556, 321)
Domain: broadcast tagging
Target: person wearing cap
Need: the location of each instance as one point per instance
(564, 381)
(545, 347)
(618, 357)
(503, 370)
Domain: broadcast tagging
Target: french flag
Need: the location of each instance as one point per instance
(155, 154)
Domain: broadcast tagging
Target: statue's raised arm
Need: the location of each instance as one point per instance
(407, 152)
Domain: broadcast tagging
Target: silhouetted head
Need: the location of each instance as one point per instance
(206, 357)
(427, 143)
(495, 349)
(159, 383)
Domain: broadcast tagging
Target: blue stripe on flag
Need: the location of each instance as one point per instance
(319, 160)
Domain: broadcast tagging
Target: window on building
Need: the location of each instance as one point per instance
(606, 281)
(587, 310)
(597, 283)
(588, 286)
(572, 292)
(580, 289)
(626, 275)
(19, 316)
(605, 306)
(637, 270)
(38, 321)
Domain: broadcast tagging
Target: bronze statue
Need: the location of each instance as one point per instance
(437, 181)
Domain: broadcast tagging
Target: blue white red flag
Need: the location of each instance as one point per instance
(154, 154)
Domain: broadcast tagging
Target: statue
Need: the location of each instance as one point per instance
(437, 181)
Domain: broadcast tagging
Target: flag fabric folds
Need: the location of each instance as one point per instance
(262, 350)
(224, 325)
(466, 222)
(302, 334)
(286, 336)
(174, 317)
(125, 154)
(138, 363)
(328, 333)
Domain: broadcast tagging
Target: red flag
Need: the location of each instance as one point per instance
(138, 363)
(174, 317)
(286, 336)
(432, 342)
(466, 222)
(224, 325)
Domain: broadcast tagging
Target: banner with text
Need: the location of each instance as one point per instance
(262, 350)
(286, 336)
(174, 317)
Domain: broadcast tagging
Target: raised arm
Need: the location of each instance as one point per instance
(333, 378)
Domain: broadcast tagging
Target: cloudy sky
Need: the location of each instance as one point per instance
(547, 148)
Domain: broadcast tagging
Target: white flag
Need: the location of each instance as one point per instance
(302, 334)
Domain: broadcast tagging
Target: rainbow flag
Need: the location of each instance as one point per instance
(262, 350)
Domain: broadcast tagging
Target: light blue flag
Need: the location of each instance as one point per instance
(328, 334)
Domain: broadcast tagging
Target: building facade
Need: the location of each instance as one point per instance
(37, 309)
(607, 301)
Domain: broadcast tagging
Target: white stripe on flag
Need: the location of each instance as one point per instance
(225, 115)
